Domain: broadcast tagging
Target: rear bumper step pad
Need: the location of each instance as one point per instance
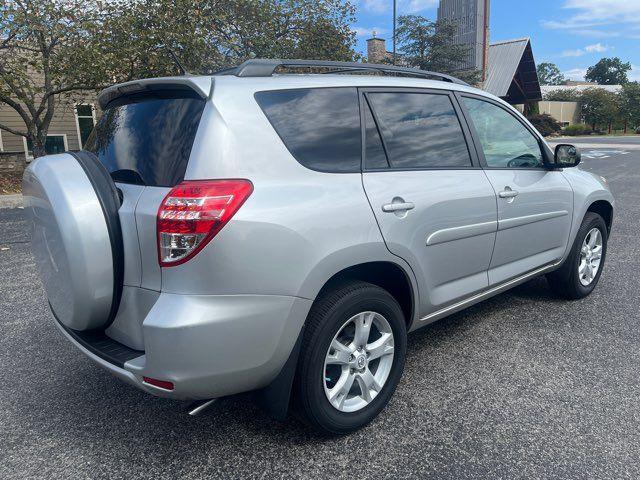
(98, 343)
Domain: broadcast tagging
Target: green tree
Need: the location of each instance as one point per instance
(549, 74)
(44, 57)
(429, 45)
(563, 95)
(609, 71)
(630, 104)
(54, 51)
(599, 107)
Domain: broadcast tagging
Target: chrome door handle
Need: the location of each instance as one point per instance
(508, 193)
(398, 207)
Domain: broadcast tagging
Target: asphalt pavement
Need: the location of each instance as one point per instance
(521, 386)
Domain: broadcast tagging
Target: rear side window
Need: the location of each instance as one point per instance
(148, 139)
(420, 130)
(319, 126)
(375, 156)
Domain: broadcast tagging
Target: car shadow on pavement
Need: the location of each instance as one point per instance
(84, 401)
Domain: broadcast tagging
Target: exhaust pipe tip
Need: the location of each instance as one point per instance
(196, 408)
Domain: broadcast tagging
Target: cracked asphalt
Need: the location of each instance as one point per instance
(521, 386)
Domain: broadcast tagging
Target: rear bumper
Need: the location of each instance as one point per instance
(208, 346)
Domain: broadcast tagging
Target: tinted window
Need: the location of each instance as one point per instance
(505, 141)
(420, 130)
(375, 156)
(148, 141)
(319, 126)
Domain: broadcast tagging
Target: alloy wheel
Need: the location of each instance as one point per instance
(590, 257)
(358, 361)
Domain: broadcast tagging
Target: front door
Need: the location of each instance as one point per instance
(535, 203)
(434, 205)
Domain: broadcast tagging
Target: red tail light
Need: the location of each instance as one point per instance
(193, 213)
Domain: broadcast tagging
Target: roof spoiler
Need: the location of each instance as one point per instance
(266, 67)
(201, 85)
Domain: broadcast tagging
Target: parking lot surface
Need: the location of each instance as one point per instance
(521, 386)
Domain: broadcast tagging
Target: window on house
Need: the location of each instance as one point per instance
(52, 145)
(84, 115)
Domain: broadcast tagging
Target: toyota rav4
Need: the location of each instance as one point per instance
(274, 229)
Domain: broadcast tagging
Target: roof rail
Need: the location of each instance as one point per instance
(260, 67)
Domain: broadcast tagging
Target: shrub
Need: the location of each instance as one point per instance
(577, 129)
(545, 124)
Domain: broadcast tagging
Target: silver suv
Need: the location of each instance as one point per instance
(282, 232)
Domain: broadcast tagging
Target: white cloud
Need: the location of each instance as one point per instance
(575, 73)
(377, 6)
(573, 53)
(369, 32)
(594, 18)
(596, 48)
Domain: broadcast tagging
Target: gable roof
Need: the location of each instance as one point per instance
(512, 71)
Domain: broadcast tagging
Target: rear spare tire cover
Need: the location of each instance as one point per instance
(72, 209)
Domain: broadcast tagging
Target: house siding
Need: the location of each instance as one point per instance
(62, 123)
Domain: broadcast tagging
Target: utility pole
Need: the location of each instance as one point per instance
(394, 32)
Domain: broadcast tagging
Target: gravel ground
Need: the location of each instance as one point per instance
(520, 386)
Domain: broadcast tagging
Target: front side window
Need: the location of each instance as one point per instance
(319, 126)
(505, 141)
(420, 130)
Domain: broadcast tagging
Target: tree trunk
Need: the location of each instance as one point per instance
(626, 126)
(37, 142)
(610, 127)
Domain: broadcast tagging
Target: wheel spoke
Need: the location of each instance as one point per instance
(367, 383)
(582, 268)
(338, 394)
(381, 347)
(363, 327)
(341, 353)
(593, 237)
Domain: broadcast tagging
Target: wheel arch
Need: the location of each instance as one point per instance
(396, 279)
(385, 274)
(605, 210)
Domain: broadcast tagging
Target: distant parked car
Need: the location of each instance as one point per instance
(283, 232)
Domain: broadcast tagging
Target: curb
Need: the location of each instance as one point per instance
(11, 201)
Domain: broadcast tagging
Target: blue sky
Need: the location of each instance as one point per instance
(574, 34)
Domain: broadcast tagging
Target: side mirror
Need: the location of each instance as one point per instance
(567, 156)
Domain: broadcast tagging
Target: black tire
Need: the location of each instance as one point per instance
(328, 314)
(565, 282)
(110, 201)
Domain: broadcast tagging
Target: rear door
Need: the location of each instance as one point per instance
(433, 203)
(535, 203)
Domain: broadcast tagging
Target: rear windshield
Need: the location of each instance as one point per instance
(147, 139)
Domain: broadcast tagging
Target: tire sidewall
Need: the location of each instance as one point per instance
(375, 300)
